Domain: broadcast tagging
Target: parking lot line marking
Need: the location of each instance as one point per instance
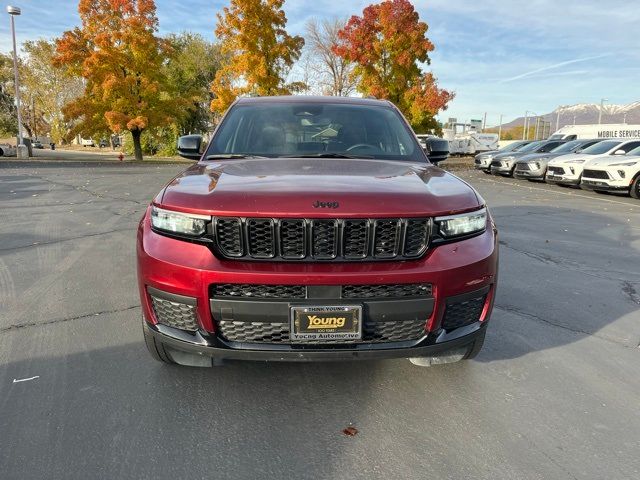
(571, 194)
(16, 380)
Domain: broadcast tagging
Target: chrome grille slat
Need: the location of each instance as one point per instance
(322, 239)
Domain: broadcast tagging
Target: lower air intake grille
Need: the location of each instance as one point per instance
(556, 170)
(174, 314)
(373, 332)
(595, 174)
(459, 314)
(294, 292)
(229, 290)
(386, 291)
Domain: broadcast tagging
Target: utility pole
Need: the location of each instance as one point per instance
(500, 129)
(557, 120)
(602, 100)
(21, 149)
(524, 129)
(484, 122)
(574, 119)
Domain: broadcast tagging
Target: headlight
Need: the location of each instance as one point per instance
(180, 223)
(463, 224)
(576, 161)
(625, 164)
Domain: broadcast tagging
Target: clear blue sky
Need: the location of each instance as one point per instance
(498, 56)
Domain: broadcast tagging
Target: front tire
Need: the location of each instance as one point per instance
(635, 188)
(156, 349)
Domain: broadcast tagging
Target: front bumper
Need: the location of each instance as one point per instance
(502, 169)
(565, 179)
(530, 172)
(482, 163)
(602, 185)
(210, 346)
(189, 269)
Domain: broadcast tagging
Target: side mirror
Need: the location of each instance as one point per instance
(619, 152)
(190, 146)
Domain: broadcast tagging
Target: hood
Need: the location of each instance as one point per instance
(538, 156)
(606, 160)
(569, 157)
(516, 155)
(488, 153)
(317, 187)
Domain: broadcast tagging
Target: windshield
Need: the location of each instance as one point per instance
(568, 147)
(513, 147)
(297, 129)
(602, 147)
(530, 147)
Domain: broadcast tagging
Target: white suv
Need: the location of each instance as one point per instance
(621, 174)
(567, 169)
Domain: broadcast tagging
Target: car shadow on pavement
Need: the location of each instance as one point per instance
(564, 274)
(116, 413)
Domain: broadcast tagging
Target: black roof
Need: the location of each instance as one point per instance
(314, 99)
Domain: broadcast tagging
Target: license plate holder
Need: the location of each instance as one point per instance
(325, 323)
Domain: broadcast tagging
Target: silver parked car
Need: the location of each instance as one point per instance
(534, 165)
(483, 160)
(505, 163)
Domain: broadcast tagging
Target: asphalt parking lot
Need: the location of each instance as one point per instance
(554, 394)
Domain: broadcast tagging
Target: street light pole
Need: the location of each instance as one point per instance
(524, 128)
(602, 100)
(13, 12)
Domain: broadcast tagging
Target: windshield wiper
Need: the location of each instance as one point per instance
(326, 155)
(223, 156)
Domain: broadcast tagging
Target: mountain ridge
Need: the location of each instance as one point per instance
(586, 113)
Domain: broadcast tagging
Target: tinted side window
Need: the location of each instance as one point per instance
(629, 146)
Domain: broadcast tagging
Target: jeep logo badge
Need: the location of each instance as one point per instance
(320, 204)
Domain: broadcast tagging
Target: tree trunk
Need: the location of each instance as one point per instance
(137, 146)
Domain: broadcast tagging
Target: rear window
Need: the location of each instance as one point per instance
(315, 129)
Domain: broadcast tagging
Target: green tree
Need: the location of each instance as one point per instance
(190, 72)
(47, 89)
(8, 120)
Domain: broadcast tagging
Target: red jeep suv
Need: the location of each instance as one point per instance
(315, 229)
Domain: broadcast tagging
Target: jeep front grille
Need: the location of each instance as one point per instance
(321, 239)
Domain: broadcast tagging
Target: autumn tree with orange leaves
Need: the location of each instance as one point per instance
(259, 50)
(387, 43)
(118, 54)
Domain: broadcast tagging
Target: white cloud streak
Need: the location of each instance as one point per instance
(551, 67)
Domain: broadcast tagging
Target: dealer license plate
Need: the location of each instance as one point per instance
(326, 323)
